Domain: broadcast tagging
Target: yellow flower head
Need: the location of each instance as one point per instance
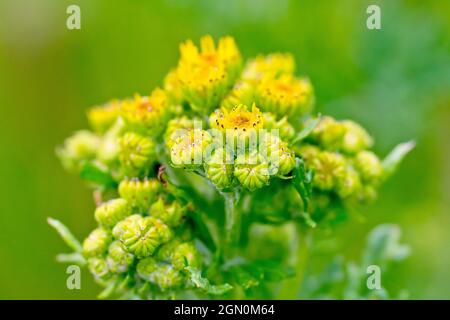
(239, 118)
(206, 74)
(147, 114)
(272, 65)
(285, 95)
(172, 86)
(101, 118)
(226, 53)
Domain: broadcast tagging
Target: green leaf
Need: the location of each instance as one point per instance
(326, 283)
(252, 273)
(310, 126)
(67, 236)
(393, 159)
(302, 181)
(202, 283)
(74, 257)
(93, 173)
(383, 246)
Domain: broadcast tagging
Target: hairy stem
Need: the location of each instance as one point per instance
(291, 287)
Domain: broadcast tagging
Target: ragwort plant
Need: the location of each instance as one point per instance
(220, 182)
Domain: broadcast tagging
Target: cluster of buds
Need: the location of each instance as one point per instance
(242, 127)
(142, 235)
(338, 153)
(238, 149)
(270, 82)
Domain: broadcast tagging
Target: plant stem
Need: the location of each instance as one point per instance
(291, 287)
(232, 223)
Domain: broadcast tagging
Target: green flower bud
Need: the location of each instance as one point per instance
(369, 166)
(252, 171)
(96, 243)
(80, 147)
(242, 93)
(118, 258)
(329, 133)
(286, 130)
(219, 169)
(348, 183)
(180, 255)
(109, 149)
(141, 236)
(177, 127)
(281, 159)
(108, 152)
(308, 152)
(184, 255)
(366, 194)
(140, 194)
(99, 268)
(161, 274)
(355, 138)
(137, 153)
(329, 167)
(188, 150)
(111, 212)
(171, 214)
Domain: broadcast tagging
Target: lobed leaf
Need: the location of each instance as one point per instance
(302, 181)
(202, 283)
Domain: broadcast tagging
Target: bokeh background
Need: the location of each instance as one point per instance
(395, 81)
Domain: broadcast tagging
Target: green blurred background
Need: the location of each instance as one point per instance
(395, 81)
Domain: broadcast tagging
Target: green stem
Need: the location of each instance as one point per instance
(291, 287)
(232, 223)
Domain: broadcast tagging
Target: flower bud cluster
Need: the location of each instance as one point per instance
(338, 153)
(240, 126)
(237, 149)
(142, 234)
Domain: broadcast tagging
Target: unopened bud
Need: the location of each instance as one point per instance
(171, 214)
(111, 212)
(137, 153)
(140, 235)
(97, 242)
(139, 193)
(252, 171)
